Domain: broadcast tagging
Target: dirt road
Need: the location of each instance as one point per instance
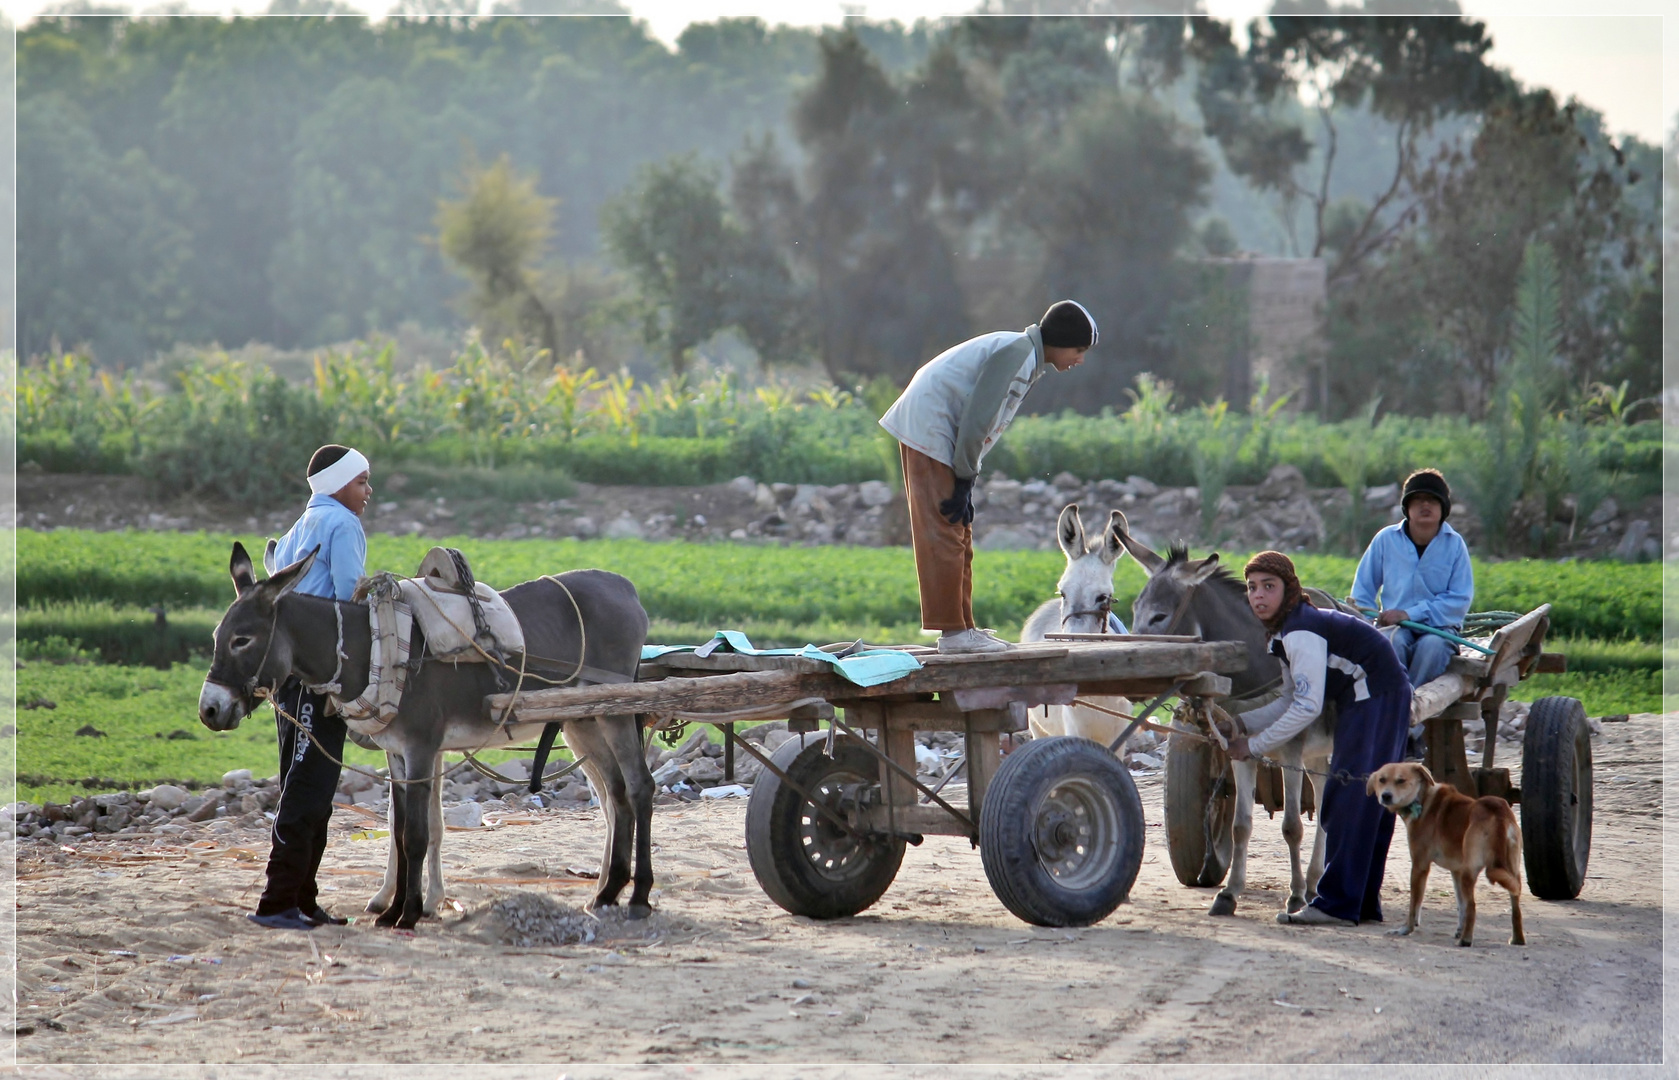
(124, 960)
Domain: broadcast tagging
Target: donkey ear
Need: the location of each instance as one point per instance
(1113, 547)
(1146, 558)
(1069, 529)
(286, 580)
(1196, 573)
(240, 567)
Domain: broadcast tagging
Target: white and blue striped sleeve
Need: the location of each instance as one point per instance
(1308, 663)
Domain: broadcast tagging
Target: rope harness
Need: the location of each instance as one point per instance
(384, 584)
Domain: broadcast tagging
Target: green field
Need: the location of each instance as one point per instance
(819, 593)
(87, 638)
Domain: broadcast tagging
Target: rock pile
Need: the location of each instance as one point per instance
(530, 919)
(239, 801)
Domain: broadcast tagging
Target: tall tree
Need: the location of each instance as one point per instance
(672, 235)
(497, 233)
(1410, 72)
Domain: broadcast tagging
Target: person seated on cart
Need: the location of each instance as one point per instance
(1330, 656)
(953, 411)
(1417, 570)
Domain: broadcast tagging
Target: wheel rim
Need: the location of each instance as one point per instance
(833, 853)
(1076, 834)
(1581, 800)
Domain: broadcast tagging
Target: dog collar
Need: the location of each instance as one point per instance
(1414, 811)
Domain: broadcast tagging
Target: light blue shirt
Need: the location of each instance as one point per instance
(343, 557)
(1434, 590)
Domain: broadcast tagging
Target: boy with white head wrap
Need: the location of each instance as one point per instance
(331, 527)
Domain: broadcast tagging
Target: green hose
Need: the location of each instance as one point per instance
(1413, 625)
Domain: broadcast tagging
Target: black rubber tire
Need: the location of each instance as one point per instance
(1556, 798)
(1199, 813)
(1048, 800)
(802, 860)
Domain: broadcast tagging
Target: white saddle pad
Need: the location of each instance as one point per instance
(446, 619)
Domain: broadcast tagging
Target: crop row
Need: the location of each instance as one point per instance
(717, 585)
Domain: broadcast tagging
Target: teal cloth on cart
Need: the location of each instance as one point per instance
(871, 667)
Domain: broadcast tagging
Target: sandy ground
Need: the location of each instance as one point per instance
(141, 954)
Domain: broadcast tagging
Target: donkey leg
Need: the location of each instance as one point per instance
(585, 737)
(434, 849)
(1314, 873)
(624, 733)
(1294, 830)
(397, 870)
(380, 902)
(416, 798)
(1247, 774)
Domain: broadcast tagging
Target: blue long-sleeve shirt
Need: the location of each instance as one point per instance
(1434, 590)
(343, 557)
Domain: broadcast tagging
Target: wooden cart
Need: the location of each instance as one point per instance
(1058, 822)
(1555, 795)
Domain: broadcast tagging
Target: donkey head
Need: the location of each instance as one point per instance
(1200, 597)
(252, 650)
(1173, 601)
(1087, 585)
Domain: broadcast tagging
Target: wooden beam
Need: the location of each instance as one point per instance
(721, 693)
(1144, 663)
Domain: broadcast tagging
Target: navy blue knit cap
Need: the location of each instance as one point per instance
(1067, 325)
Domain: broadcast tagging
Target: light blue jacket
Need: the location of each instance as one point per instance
(1435, 590)
(343, 557)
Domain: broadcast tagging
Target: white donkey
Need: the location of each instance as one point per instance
(1085, 592)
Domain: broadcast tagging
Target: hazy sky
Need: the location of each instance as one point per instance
(1612, 62)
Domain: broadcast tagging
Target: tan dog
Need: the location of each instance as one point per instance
(1463, 835)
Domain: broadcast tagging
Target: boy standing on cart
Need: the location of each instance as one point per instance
(953, 411)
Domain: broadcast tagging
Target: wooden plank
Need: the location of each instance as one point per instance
(1121, 637)
(720, 693)
(1207, 684)
(1083, 664)
(1431, 698)
(984, 756)
(733, 662)
(1508, 643)
(1476, 667)
(919, 819)
(1126, 665)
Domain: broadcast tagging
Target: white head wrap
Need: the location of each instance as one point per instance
(333, 478)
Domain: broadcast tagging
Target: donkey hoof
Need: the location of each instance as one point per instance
(1223, 904)
(377, 907)
(387, 919)
(1296, 905)
(639, 911)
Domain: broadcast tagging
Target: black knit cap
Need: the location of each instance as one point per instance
(1067, 325)
(326, 457)
(1428, 482)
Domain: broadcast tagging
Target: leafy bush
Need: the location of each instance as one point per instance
(220, 424)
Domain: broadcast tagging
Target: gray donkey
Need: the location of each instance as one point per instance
(1185, 596)
(271, 632)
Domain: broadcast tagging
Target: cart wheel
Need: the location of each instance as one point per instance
(1061, 832)
(1200, 809)
(1556, 798)
(804, 861)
